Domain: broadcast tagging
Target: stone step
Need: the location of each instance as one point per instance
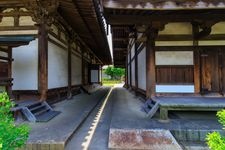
(142, 139)
(192, 135)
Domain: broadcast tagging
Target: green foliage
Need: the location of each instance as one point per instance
(11, 136)
(115, 73)
(214, 140)
(107, 82)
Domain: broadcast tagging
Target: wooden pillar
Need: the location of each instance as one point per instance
(150, 63)
(43, 61)
(82, 66)
(197, 72)
(101, 74)
(130, 65)
(136, 63)
(9, 88)
(126, 71)
(89, 73)
(69, 92)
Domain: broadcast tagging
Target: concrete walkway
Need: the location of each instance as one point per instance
(120, 110)
(99, 140)
(57, 131)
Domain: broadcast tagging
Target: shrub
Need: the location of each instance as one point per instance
(214, 140)
(11, 136)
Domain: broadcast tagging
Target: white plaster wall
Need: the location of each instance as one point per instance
(128, 60)
(7, 21)
(25, 67)
(94, 76)
(142, 69)
(175, 88)
(76, 70)
(132, 51)
(211, 43)
(174, 58)
(218, 28)
(19, 32)
(26, 21)
(177, 28)
(174, 43)
(57, 66)
(133, 72)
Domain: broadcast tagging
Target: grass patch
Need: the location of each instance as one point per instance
(110, 82)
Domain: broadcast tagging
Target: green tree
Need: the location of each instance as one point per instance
(115, 73)
(11, 136)
(214, 140)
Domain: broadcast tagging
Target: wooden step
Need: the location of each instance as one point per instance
(40, 112)
(153, 110)
(47, 116)
(37, 108)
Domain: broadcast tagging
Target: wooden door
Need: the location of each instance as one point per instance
(210, 71)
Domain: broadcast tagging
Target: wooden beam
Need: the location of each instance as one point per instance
(150, 63)
(113, 19)
(120, 39)
(155, 4)
(119, 49)
(5, 58)
(43, 61)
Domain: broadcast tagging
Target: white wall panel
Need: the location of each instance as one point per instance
(76, 70)
(177, 28)
(26, 21)
(175, 88)
(94, 76)
(142, 69)
(7, 21)
(212, 43)
(132, 51)
(174, 58)
(25, 67)
(57, 66)
(133, 72)
(218, 28)
(174, 43)
(128, 56)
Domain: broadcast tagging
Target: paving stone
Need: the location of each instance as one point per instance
(142, 139)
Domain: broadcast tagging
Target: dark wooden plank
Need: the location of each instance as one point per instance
(174, 75)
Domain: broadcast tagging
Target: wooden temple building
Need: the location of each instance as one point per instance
(49, 48)
(171, 47)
